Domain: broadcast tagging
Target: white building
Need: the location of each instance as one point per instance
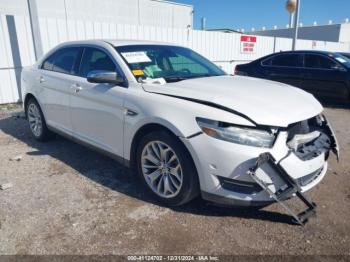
(25, 38)
(331, 33)
(29, 28)
(62, 13)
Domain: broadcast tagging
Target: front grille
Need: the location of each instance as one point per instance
(298, 128)
(314, 148)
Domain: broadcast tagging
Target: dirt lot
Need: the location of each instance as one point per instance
(67, 199)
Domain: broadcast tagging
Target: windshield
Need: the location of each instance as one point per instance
(172, 63)
(343, 58)
(347, 55)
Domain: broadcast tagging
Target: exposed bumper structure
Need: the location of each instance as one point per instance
(287, 187)
(225, 167)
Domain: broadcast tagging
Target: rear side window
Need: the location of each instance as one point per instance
(267, 62)
(95, 59)
(62, 61)
(289, 60)
(65, 59)
(319, 62)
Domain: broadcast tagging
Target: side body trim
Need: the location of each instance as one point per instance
(119, 159)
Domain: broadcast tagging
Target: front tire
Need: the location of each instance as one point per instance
(36, 120)
(166, 169)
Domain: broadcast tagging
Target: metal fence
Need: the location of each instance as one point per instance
(17, 48)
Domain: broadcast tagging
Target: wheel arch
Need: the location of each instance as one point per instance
(146, 129)
(28, 96)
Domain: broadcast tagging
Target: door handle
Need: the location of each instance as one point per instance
(41, 79)
(77, 88)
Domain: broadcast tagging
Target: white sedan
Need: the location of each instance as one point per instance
(186, 126)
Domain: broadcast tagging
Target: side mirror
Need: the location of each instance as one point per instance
(105, 77)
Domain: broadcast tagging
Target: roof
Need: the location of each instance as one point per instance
(116, 42)
(173, 3)
(300, 28)
(308, 51)
(224, 30)
(299, 51)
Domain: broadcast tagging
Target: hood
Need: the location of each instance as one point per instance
(265, 102)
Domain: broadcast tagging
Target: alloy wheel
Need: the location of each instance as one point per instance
(35, 121)
(161, 169)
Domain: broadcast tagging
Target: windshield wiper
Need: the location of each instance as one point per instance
(171, 79)
(181, 78)
(203, 75)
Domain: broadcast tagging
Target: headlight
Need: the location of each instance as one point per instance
(237, 134)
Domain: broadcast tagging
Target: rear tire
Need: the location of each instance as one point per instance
(166, 169)
(36, 120)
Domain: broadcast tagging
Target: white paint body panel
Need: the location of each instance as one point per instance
(265, 102)
(96, 115)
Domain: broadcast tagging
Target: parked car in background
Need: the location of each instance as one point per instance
(186, 126)
(324, 74)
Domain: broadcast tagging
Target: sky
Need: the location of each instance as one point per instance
(246, 14)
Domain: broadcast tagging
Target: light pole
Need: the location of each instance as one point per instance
(293, 7)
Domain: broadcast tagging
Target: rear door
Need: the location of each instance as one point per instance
(285, 68)
(97, 110)
(57, 74)
(324, 76)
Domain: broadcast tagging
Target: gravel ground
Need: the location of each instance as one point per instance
(67, 199)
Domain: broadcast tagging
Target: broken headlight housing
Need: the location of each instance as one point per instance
(237, 134)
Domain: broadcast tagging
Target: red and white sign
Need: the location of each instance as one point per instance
(248, 44)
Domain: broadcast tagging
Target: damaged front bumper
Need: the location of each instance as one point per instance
(224, 167)
(334, 142)
(273, 178)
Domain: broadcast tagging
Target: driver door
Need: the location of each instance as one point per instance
(97, 108)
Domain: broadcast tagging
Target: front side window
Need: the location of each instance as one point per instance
(319, 62)
(172, 63)
(288, 60)
(95, 59)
